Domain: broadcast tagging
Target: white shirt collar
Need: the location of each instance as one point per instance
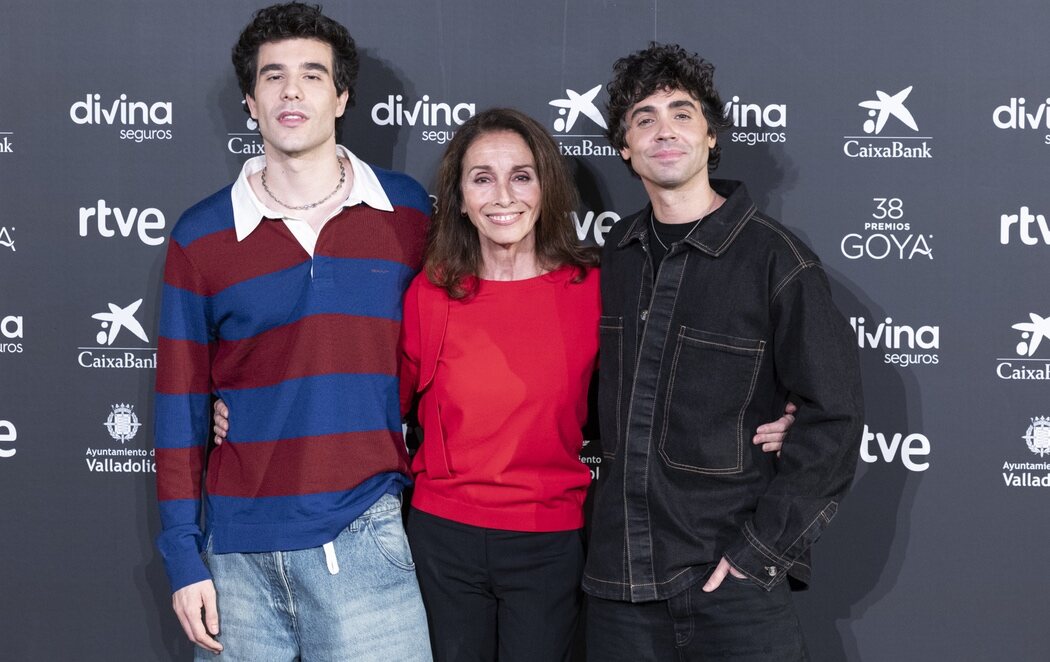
(249, 210)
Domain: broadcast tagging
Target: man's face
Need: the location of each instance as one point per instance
(295, 101)
(667, 140)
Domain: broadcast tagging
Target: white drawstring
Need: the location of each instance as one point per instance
(329, 557)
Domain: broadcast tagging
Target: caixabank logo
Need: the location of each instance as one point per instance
(246, 140)
(1032, 358)
(1019, 114)
(890, 130)
(579, 128)
(437, 121)
(899, 344)
(122, 424)
(7, 142)
(118, 323)
(1030, 471)
(756, 123)
(134, 120)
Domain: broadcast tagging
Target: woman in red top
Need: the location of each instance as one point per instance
(499, 342)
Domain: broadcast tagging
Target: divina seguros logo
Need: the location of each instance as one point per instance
(121, 112)
(11, 334)
(753, 122)
(1016, 114)
(1026, 366)
(439, 119)
(106, 354)
(873, 144)
(904, 345)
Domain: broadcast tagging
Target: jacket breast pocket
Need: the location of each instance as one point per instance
(610, 383)
(711, 385)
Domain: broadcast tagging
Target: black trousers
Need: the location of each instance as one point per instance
(493, 594)
(738, 621)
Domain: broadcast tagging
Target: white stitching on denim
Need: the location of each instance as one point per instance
(783, 235)
(790, 277)
(758, 352)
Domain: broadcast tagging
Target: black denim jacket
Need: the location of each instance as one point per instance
(740, 314)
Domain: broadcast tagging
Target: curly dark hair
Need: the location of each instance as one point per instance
(295, 20)
(664, 67)
(453, 255)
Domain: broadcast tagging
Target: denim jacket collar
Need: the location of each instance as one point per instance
(717, 231)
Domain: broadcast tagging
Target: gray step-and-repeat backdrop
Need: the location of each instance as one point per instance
(906, 141)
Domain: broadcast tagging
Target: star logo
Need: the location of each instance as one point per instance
(119, 318)
(1032, 333)
(574, 105)
(886, 106)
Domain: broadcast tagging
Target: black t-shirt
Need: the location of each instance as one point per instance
(665, 234)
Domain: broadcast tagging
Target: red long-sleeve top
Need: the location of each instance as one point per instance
(502, 382)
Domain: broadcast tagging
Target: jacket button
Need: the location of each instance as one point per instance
(645, 315)
(771, 570)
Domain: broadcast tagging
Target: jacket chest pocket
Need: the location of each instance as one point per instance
(711, 385)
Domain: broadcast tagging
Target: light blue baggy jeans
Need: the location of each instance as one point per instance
(278, 606)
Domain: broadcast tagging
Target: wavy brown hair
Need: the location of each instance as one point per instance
(295, 20)
(453, 255)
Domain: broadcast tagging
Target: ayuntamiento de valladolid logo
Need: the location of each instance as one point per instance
(1032, 474)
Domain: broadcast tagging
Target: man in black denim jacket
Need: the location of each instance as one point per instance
(712, 313)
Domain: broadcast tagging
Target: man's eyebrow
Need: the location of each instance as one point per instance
(682, 103)
(307, 66)
(640, 110)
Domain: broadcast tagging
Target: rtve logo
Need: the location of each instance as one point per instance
(1025, 222)
(148, 224)
(8, 434)
(908, 448)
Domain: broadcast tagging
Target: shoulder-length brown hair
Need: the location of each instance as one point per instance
(453, 255)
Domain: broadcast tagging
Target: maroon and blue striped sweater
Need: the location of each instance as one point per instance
(303, 350)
